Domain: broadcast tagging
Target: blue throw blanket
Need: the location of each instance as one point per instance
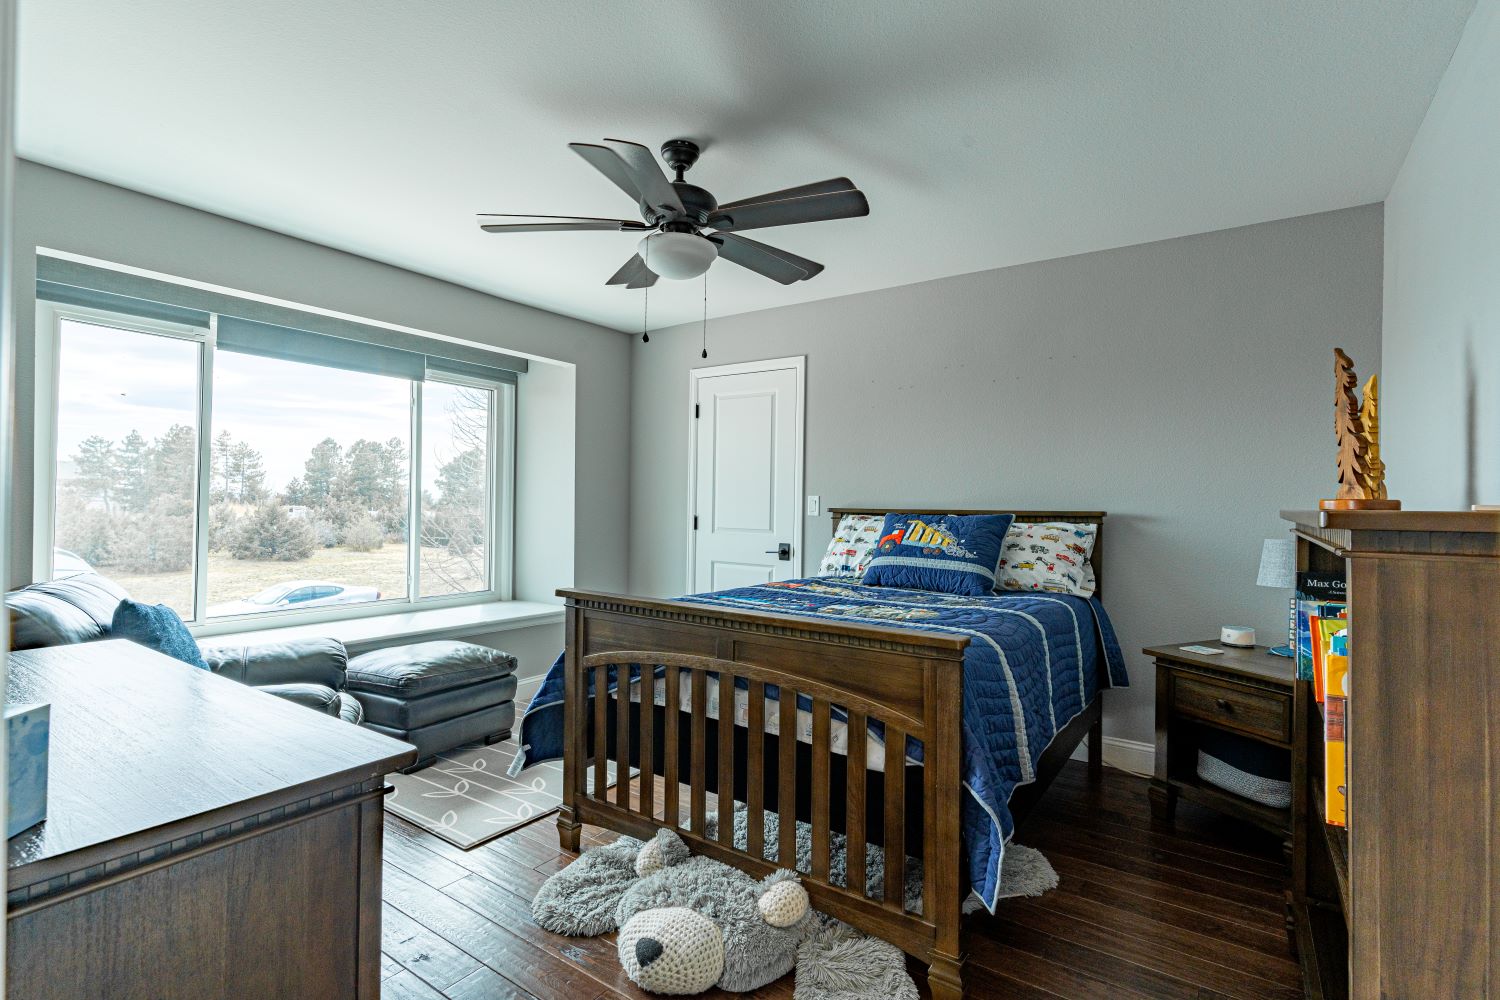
(1034, 661)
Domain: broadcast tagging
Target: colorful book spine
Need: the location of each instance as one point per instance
(1335, 804)
(1330, 619)
(1335, 716)
(1315, 652)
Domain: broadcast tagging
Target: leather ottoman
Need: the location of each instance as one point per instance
(436, 695)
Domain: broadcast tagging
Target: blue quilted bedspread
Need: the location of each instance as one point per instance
(1034, 661)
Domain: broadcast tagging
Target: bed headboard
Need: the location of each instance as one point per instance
(1095, 517)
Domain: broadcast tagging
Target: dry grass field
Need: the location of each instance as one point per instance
(234, 579)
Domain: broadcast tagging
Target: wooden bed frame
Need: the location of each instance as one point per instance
(910, 681)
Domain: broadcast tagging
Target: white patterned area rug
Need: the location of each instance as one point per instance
(467, 798)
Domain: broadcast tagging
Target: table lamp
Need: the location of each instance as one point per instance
(1278, 568)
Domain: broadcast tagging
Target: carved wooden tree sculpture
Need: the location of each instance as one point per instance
(1353, 470)
(1369, 418)
(1361, 472)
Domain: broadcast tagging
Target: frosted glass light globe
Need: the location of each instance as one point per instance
(677, 255)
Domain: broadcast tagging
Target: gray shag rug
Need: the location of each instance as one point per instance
(1024, 871)
(833, 961)
(838, 962)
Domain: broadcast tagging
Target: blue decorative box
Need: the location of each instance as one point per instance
(27, 729)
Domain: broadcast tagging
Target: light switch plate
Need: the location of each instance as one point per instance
(813, 507)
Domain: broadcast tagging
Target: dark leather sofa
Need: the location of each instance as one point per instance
(80, 608)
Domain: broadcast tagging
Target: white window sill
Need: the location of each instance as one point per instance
(405, 626)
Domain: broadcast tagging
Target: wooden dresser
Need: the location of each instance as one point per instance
(203, 839)
(1406, 902)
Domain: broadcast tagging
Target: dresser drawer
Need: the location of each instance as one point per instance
(1258, 713)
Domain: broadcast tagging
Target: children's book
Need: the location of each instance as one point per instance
(1335, 714)
(1313, 588)
(1323, 627)
(1307, 609)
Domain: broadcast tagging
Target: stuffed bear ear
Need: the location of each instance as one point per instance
(580, 900)
(662, 851)
(784, 902)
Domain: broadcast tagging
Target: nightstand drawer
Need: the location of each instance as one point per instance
(1259, 713)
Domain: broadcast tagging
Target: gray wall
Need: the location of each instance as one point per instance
(1184, 386)
(574, 426)
(1441, 417)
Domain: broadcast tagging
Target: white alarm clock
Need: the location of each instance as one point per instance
(1237, 635)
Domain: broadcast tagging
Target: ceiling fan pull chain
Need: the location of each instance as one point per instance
(705, 314)
(646, 302)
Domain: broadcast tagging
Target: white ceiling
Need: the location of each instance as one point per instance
(984, 133)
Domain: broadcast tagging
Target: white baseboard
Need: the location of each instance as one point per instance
(1127, 755)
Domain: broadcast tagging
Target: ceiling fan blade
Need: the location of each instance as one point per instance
(656, 190)
(774, 263)
(790, 211)
(555, 224)
(633, 274)
(608, 163)
(832, 186)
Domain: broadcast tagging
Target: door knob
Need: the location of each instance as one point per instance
(782, 551)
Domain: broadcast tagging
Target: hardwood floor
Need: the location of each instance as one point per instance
(1142, 913)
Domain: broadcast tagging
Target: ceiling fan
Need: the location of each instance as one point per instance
(688, 228)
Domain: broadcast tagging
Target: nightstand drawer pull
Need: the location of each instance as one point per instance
(1252, 711)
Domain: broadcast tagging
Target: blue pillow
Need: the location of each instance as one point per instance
(157, 627)
(945, 553)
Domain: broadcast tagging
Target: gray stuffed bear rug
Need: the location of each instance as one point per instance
(687, 924)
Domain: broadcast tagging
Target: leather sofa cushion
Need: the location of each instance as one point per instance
(74, 609)
(350, 710)
(298, 661)
(426, 668)
(413, 713)
(441, 737)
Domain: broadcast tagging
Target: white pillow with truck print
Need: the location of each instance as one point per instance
(853, 544)
(1053, 556)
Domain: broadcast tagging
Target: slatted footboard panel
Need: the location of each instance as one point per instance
(699, 776)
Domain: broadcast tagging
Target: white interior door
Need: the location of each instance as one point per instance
(747, 475)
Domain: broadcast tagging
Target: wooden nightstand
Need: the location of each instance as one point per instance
(1243, 691)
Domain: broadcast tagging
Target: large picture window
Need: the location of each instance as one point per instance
(127, 458)
(235, 484)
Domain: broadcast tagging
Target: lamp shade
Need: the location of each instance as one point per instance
(1278, 564)
(677, 255)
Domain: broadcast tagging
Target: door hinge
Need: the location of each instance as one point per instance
(696, 414)
(695, 522)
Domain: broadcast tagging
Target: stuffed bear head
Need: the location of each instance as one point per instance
(686, 924)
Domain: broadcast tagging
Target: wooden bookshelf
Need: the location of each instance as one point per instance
(1336, 843)
(1401, 903)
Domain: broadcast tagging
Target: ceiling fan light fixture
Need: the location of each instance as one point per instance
(678, 255)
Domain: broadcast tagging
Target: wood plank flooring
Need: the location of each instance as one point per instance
(1143, 912)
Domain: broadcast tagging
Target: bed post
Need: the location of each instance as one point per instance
(1096, 741)
(942, 757)
(574, 703)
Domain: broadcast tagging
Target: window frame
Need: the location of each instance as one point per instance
(500, 474)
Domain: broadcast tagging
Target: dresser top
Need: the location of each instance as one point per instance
(140, 742)
(1480, 521)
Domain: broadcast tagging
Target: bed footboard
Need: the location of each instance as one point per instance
(909, 682)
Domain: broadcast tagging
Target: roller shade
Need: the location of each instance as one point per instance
(56, 291)
(269, 330)
(244, 336)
